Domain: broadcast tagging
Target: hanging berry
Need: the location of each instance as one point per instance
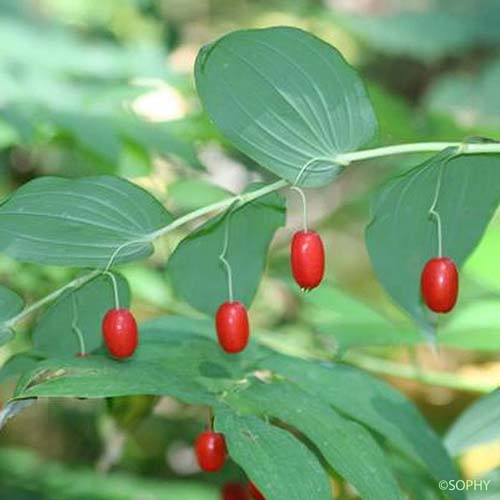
(439, 284)
(231, 324)
(119, 330)
(231, 318)
(307, 253)
(211, 451)
(254, 492)
(234, 491)
(307, 258)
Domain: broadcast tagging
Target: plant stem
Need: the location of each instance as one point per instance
(196, 214)
(76, 283)
(343, 159)
(220, 205)
(418, 147)
(393, 369)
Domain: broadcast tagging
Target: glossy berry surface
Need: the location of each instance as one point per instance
(307, 259)
(211, 452)
(119, 330)
(234, 491)
(231, 324)
(439, 284)
(254, 492)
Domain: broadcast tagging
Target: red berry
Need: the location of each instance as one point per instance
(211, 451)
(120, 332)
(231, 324)
(254, 492)
(234, 491)
(307, 258)
(439, 284)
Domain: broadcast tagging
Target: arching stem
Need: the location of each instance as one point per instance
(115, 288)
(222, 256)
(74, 325)
(434, 213)
(304, 205)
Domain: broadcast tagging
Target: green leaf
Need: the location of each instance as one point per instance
(18, 364)
(197, 272)
(286, 99)
(479, 424)
(346, 446)
(54, 333)
(10, 305)
(373, 403)
(79, 222)
(402, 236)
(280, 465)
(176, 356)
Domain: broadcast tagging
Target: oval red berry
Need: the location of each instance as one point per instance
(211, 452)
(231, 324)
(119, 330)
(234, 491)
(439, 284)
(307, 259)
(254, 492)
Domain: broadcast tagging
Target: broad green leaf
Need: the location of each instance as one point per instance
(176, 356)
(479, 424)
(80, 222)
(197, 272)
(10, 305)
(84, 308)
(279, 464)
(18, 364)
(474, 327)
(373, 403)
(13, 408)
(352, 323)
(413, 479)
(346, 446)
(402, 236)
(286, 99)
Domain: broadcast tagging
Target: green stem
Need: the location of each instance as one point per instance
(418, 147)
(393, 369)
(76, 283)
(343, 159)
(220, 205)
